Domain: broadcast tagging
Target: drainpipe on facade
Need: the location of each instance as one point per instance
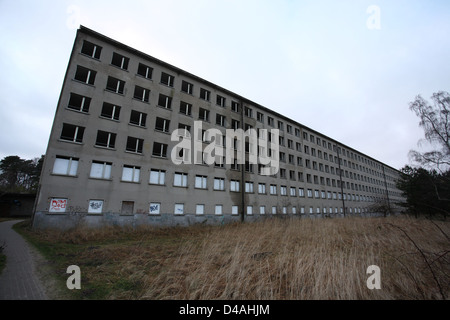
(242, 166)
(387, 193)
(340, 179)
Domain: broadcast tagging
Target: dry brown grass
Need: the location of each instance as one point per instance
(308, 259)
(273, 259)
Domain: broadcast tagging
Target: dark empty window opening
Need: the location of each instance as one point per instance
(186, 108)
(220, 120)
(115, 85)
(72, 133)
(134, 145)
(235, 124)
(203, 114)
(110, 111)
(260, 117)
(165, 101)
(85, 75)
(187, 87)
(91, 50)
(234, 106)
(79, 103)
(167, 79)
(159, 150)
(248, 112)
(145, 71)
(141, 94)
(162, 124)
(138, 118)
(185, 128)
(105, 139)
(120, 61)
(220, 101)
(205, 94)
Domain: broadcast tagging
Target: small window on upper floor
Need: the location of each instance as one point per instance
(220, 101)
(203, 114)
(220, 120)
(85, 75)
(79, 103)
(167, 79)
(248, 112)
(91, 50)
(145, 71)
(234, 106)
(187, 87)
(289, 128)
(135, 145)
(162, 124)
(205, 94)
(115, 85)
(165, 101)
(185, 108)
(259, 117)
(105, 139)
(138, 118)
(110, 111)
(72, 133)
(141, 94)
(280, 126)
(120, 61)
(66, 166)
(159, 150)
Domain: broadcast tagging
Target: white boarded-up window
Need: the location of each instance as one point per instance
(179, 208)
(155, 208)
(180, 179)
(200, 209)
(235, 210)
(157, 177)
(101, 170)
(200, 182)
(219, 184)
(131, 174)
(65, 166)
(234, 185)
(95, 206)
(218, 210)
(58, 205)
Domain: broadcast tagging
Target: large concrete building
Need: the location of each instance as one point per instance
(110, 162)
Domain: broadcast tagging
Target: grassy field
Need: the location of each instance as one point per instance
(272, 259)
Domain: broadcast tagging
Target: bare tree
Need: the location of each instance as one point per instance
(435, 121)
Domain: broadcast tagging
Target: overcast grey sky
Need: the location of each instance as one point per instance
(346, 68)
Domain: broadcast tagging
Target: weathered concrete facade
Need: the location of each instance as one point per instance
(108, 160)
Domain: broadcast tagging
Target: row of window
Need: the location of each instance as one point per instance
(102, 170)
(59, 205)
(105, 139)
(110, 111)
(116, 85)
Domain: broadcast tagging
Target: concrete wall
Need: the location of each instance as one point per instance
(81, 188)
(43, 220)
